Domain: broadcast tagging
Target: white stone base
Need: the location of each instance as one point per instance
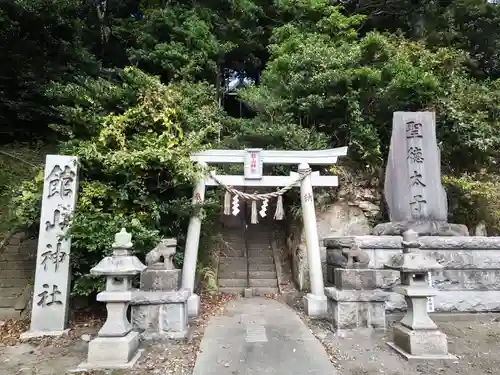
(35, 334)
(416, 358)
(113, 352)
(316, 306)
(420, 344)
(193, 305)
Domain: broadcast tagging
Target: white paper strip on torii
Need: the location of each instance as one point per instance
(263, 208)
(236, 205)
(275, 181)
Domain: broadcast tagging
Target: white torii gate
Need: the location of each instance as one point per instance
(254, 159)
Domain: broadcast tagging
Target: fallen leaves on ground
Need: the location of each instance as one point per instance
(313, 324)
(171, 357)
(83, 323)
(165, 357)
(11, 329)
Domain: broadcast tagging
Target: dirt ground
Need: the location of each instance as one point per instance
(62, 355)
(474, 342)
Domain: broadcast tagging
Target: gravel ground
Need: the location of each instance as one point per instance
(58, 356)
(475, 343)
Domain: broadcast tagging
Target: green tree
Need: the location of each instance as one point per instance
(133, 137)
(40, 42)
(324, 77)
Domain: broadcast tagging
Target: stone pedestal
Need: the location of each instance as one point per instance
(116, 346)
(355, 301)
(161, 273)
(124, 353)
(160, 309)
(416, 336)
(158, 279)
(160, 314)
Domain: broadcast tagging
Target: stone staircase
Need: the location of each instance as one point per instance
(248, 261)
(233, 275)
(262, 276)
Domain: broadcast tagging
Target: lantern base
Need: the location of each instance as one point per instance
(113, 352)
(420, 344)
(423, 358)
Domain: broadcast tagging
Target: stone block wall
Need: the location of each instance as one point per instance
(470, 281)
(17, 269)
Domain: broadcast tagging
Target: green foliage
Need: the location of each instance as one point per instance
(210, 280)
(470, 25)
(326, 76)
(134, 162)
(323, 78)
(40, 41)
(19, 163)
(474, 199)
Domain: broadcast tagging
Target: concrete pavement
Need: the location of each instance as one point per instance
(260, 336)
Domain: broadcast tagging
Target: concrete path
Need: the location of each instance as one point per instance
(260, 336)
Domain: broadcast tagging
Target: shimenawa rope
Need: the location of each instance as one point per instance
(280, 212)
(256, 197)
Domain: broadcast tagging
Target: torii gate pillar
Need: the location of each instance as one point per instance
(315, 303)
(191, 250)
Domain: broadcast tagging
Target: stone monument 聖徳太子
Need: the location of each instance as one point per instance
(413, 191)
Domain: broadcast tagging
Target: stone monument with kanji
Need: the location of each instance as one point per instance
(413, 191)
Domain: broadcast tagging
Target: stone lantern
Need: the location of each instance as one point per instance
(116, 345)
(416, 336)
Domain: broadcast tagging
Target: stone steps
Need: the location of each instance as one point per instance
(261, 260)
(231, 290)
(263, 283)
(243, 260)
(232, 254)
(7, 292)
(9, 313)
(262, 267)
(260, 254)
(265, 291)
(236, 273)
(232, 283)
(230, 274)
(257, 291)
(8, 301)
(263, 274)
(14, 282)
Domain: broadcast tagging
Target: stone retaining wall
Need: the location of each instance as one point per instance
(470, 281)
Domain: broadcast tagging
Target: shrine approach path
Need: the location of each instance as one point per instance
(260, 336)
